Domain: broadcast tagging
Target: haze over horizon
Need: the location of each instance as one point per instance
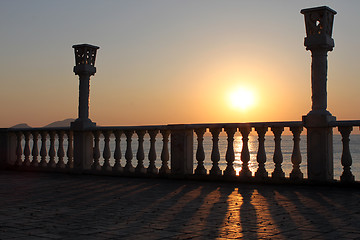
(166, 62)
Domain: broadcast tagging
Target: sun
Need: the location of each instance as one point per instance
(242, 98)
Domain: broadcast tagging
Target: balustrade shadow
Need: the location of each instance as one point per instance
(248, 215)
(94, 206)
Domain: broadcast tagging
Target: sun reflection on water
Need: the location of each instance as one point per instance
(238, 144)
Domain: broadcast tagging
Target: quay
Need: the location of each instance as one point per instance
(37, 205)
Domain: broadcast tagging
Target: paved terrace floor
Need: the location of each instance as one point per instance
(61, 206)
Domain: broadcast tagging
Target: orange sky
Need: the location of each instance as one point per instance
(164, 62)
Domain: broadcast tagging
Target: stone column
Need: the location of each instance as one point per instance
(318, 23)
(8, 143)
(182, 159)
(85, 55)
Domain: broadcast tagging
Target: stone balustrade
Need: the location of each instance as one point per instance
(163, 150)
(261, 174)
(345, 128)
(38, 148)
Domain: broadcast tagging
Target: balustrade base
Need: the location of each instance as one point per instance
(261, 174)
(215, 172)
(200, 171)
(106, 168)
(96, 167)
(229, 172)
(117, 169)
(140, 170)
(296, 175)
(347, 178)
(164, 171)
(129, 169)
(278, 174)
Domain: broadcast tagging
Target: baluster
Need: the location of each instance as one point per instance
(230, 155)
(261, 154)
(43, 152)
(70, 151)
(96, 151)
(165, 153)
(52, 163)
(245, 154)
(27, 149)
(215, 154)
(35, 150)
(140, 155)
(346, 159)
(19, 150)
(296, 154)
(60, 153)
(200, 154)
(152, 153)
(278, 157)
(128, 153)
(106, 154)
(117, 153)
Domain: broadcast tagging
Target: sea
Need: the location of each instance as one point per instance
(286, 147)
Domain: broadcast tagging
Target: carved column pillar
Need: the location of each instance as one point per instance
(43, 151)
(278, 157)
(27, 149)
(215, 153)
(106, 153)
(61, 152)
(261, 154)
(140, 155)
(200, 154)
(319, 23)
(245, 154)
(165, 153)
(346, 160)
(152, 153)
(85, 55)
(296, 154)
(128, 153)
(230, 154)
(117, 153)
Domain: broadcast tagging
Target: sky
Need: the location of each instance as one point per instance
(172, 61)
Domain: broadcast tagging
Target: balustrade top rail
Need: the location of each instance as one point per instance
(179, 126)
(347, 123)
(354, 123)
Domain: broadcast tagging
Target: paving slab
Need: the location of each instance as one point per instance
(36, 205)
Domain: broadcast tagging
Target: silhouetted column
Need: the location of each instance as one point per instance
(319, 23)
(85, 55)
(8, 148)
(182, 159)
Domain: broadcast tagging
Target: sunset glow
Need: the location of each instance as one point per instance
(242, 98)
(172, 61)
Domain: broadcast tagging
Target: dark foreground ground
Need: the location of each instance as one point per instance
(60, 206)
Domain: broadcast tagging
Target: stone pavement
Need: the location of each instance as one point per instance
(60, 206)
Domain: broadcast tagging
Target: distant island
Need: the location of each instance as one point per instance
(63, 123)
(21, 125)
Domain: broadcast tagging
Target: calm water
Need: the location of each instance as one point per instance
(286, 144)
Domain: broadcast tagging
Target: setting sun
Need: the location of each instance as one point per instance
(242, 98)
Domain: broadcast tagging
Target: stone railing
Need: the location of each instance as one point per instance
(121, 151)
(345, 128)
(20, 148)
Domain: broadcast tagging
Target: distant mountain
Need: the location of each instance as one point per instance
(63, 123)
(21, 125)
